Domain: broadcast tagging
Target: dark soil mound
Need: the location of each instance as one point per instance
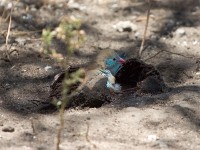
(139, 75)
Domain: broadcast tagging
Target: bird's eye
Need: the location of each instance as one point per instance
(114, 59)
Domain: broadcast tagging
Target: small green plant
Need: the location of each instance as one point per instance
(47, 37)
(69, 32)
(67, 93)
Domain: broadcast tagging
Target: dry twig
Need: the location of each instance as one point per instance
(145, 30)
(189, 57)
(153, 55)
(33, 126)
(87, 137)
(7, 36)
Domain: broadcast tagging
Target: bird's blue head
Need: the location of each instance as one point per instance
(114, 63)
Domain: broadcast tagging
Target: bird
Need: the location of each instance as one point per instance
(112, 65)
(111, 84)
(112, 62)
(123, 77)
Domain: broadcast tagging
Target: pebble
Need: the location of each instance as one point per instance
(154, 38)
(162, 144)
(180, 32)
(24, 70)
(137, 34)
(73, 5)
(123, 26)
(47, 68)
(33, 9)
(20, 41)
(27, 17)
(152, 137)
(184, 43)
(8, 129)
(195, 42)
(7, 86)
(9, 6)
(6, 4)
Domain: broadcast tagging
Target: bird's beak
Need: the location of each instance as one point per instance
(121, 60)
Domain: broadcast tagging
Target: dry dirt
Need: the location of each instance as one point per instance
(169, 120)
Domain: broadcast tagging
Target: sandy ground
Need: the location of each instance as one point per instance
(165, 121)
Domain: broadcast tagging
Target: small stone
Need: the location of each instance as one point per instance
(47, 68)
(24, 70)
(123, 26)
(27, 17)
(152, 137)
(154, 38)
(7, 86)
(162, 144)
(179, 32)
(114, 6)
(9, 6)
(8, 129)
(134, 35)
(21, 41)
(195, 42)
(73, 5)
(33, 9)
(88, 118)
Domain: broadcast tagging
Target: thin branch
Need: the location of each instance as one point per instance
(7, 36)
(168, 52)
(153, 56)
(33, 126)
(18, 33)
(179, 54)
(145, 31)
(87, 137)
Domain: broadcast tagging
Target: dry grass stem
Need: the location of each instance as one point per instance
(87, 137)
(145, 30)
(146, 59)
(7, 36)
